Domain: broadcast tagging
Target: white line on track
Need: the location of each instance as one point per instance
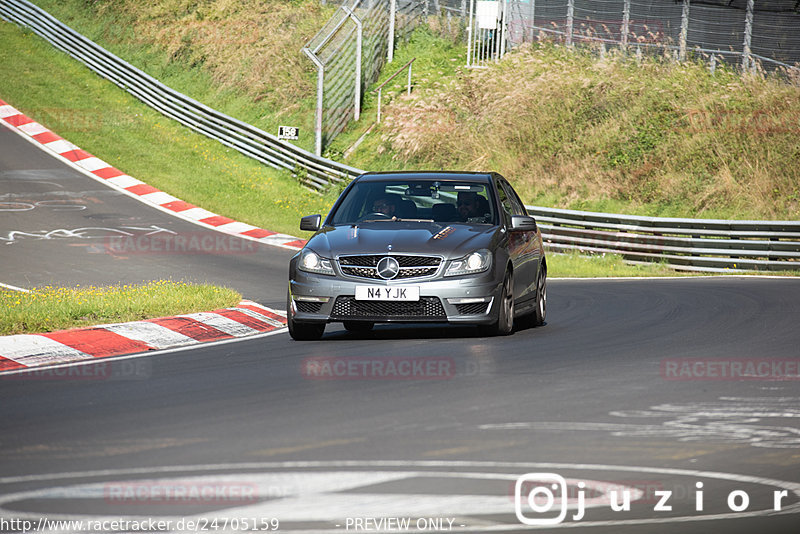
(120, 182)
(519, 467)
(14, 288)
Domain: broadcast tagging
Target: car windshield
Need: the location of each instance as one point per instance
(437, 201)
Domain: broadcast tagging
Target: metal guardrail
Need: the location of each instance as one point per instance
(697, 244)
(689, 244)
(313, 171)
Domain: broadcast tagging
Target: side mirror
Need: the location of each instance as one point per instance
(311, 223)
(523, 223)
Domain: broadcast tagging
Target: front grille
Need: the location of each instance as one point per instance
(364, 266)
(308, 307)
(426, 308)
(361, 272)
(416, 272)
(476, 308)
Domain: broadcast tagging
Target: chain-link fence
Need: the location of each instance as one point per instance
(742, 32)
(349, 52)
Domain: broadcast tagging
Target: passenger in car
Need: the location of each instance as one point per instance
(471, 205)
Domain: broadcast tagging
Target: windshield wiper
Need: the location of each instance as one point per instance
(397, 219)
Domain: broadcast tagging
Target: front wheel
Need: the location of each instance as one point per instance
(302, 331)
(505, 315)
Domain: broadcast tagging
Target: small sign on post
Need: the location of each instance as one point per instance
(291, 133)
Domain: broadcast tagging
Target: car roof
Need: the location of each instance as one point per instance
(426, 175)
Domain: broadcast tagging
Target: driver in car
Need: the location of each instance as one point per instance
(386, 205)
(471, 205)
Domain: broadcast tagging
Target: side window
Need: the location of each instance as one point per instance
(518, 207)
(508, 207)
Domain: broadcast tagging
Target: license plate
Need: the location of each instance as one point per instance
(387, 293)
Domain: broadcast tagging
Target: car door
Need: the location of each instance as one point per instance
(526, 249)
(516, 239)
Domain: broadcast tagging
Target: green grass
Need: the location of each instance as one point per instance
(46, 309)
(66, 97)
(241, 57)
(575, 265)
(96, 115)
(572, 130)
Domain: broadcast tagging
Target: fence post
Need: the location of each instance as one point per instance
(392, 16)
(503, 24)
(684, 29)
(469, 33)
(359, 35)
(626, 21)
(320, 90)
(570, 20)
(464, 9)
(532, 22)
(748, 36)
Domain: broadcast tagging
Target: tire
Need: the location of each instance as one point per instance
(505, 313)
(541, 297)
(302, 331)
(358, 326)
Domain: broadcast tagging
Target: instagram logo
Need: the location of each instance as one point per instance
(536, 494)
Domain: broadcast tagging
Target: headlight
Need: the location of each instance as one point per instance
(475, 262)
(311, 262)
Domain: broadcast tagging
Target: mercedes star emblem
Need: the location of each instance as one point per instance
(388, 268)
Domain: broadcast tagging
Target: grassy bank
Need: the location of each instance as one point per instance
(573, 130)
(569, 128)
(238, 56)
(46, 309)
(455, 119)
(66, 97)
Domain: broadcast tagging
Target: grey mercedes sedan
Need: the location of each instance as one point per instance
(412, 247)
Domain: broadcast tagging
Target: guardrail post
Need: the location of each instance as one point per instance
(570, 20)
(747, 63)
(532, 22)
(684, 30)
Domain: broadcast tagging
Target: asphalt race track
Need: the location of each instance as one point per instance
(72, 229)
(626, 388)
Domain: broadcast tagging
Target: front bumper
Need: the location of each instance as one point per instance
(458, 300)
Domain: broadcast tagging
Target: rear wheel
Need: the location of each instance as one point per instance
(302, 331)
(358, 326)
(541, 298)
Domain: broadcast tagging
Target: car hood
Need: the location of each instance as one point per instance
(452, 240)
